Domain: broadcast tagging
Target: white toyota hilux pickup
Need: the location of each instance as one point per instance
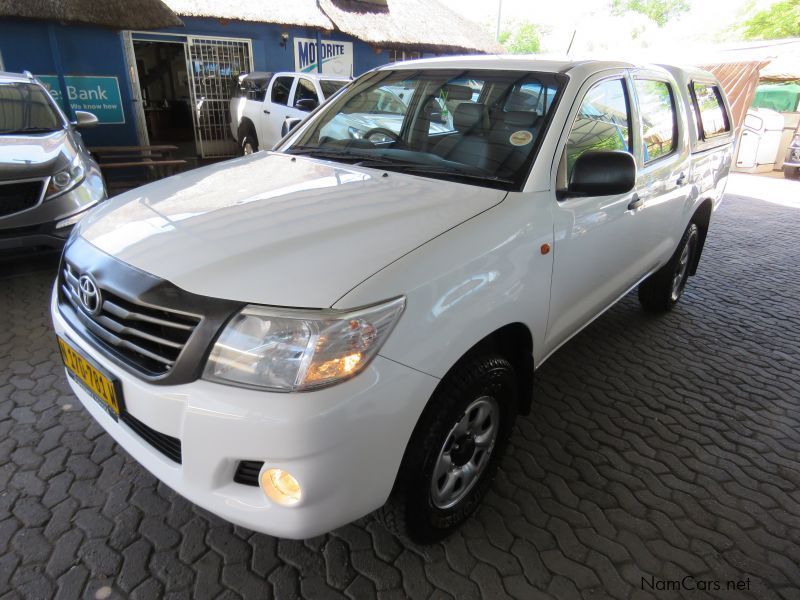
(296, 338)
(265, 101)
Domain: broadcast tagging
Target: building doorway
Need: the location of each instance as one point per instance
(165, 94)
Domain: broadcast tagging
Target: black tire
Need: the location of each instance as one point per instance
(411, 509)
(658, 293)
(791, 172)
(248, 141)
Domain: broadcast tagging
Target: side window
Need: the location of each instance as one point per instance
(659, 120)
(602, 123)
(305, 91)
(710, 109)
(280, 90)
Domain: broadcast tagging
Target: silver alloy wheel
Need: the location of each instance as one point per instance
(247, 148)
(679, 279)
(465, 452)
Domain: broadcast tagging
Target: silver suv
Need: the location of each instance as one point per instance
(48, 179)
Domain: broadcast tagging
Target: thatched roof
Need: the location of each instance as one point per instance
(416, 24)
(117, 14)
(301, 13)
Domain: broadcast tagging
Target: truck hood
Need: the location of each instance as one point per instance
(274, 229)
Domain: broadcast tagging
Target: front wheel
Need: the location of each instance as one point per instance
(662, 290)
(454, 451)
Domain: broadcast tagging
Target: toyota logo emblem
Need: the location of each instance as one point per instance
(89, 294)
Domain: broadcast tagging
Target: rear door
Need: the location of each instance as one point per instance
(276, 108)
(713, 152)
(664, 175)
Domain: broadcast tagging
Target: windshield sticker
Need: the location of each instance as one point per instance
(521, 138)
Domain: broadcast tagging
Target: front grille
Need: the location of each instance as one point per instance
(19, 195)
(166, 444)
(147, 337)
(247, 472)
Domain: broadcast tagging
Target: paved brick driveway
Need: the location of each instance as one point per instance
(658, 448)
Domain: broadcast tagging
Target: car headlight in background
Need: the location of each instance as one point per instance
(292, 350)
(65, 180)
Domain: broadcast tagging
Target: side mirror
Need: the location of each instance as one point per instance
(288, 124)
(85, 119)
(602, 173)
(306, 104)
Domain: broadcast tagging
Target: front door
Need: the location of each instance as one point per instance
(598, 240)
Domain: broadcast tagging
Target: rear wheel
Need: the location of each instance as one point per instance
(662, 290)
(454, 451)
(248, 142)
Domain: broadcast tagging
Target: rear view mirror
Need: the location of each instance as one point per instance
(85, 119)
(602, 173)
(288, 124)
(306, 104)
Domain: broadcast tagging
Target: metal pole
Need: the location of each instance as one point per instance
(62, 82)
(319, 52)
(499, 10)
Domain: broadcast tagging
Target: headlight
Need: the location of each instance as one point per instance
(290, 350)
(65, 180)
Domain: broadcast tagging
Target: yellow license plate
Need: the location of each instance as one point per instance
(101, 387)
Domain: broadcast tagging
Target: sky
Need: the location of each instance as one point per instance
(598, 31)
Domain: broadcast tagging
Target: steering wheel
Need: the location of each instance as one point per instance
(386, 133)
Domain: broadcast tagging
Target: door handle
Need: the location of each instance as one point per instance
(681, 178)
(635, 202)
(266, 112)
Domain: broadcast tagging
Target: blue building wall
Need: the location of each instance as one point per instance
(25, 45)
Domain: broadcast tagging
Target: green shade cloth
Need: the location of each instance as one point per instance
(783, 97)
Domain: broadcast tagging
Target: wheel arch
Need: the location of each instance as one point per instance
(701, 218)
(246, 126)
(515, 343)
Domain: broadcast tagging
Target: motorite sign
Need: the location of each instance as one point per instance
(337, 57)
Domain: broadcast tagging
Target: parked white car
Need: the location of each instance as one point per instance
(296, 338)
(266, 100)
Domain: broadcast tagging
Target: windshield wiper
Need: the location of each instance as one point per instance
(421, 169)
(26, 130)
(316, 152)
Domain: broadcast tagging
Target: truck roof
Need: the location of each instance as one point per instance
(541, 63)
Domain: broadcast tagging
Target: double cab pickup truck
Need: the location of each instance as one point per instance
(296, 338)
(265, 101)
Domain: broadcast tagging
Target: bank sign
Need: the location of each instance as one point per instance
(337, 57)
(96, 94)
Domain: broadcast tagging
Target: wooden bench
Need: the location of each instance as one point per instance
(156, 161)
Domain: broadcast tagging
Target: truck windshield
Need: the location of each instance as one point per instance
(26, 108)
(481, 127)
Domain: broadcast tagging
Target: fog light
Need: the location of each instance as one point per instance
(280, 486)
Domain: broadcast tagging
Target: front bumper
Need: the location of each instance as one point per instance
(39, 226)
(343, 444)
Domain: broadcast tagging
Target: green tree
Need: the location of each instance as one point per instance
(659, 11)
(781, 20)
(524, 39)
